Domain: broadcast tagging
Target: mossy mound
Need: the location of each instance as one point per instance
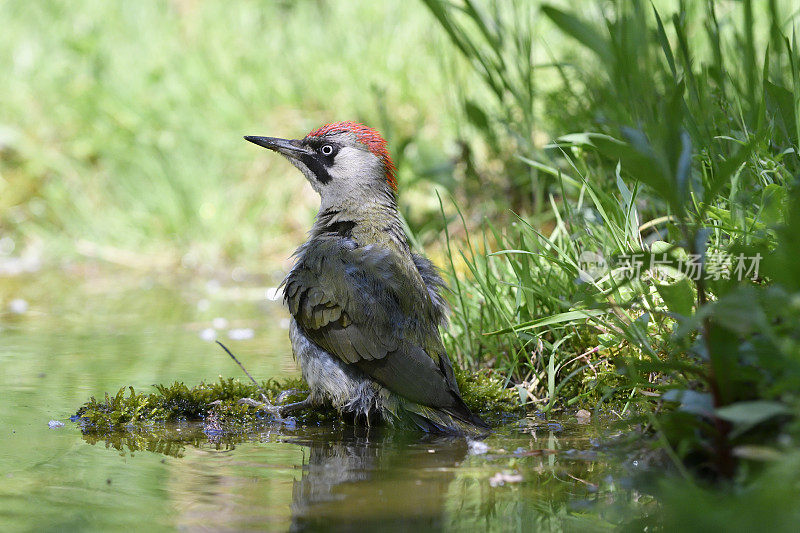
(485, 394)
(215, 403)
(216, 406)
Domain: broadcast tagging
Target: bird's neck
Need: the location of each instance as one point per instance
(376, 222)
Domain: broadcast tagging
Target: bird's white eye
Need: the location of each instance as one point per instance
(327, 149)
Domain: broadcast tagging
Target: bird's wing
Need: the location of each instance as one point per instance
(435, 285)
(363, 306)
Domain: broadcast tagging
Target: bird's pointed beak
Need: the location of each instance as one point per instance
(287, 147)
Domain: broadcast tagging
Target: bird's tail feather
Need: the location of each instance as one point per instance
(446, 420)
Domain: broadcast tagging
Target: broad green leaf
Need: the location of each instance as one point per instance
(773, 199)
(667, 258)
(739, 311)
(751, 413)
(678, 296)
(754, 452)
(699, 403)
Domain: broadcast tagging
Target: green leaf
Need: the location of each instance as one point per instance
(751, 413)
(665, 46)
(698, 403)
(754, 452)
(639, 159)
(773, 200)
(624, 191)
(780, 104)
(584, 33)
(725, 170)
(682, 173)
(740, 312)
(476, 116)
(678, 296)
(553, 319)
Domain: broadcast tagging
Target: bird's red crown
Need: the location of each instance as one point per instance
(368, 137)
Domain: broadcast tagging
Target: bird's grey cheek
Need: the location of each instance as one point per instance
(307, 174)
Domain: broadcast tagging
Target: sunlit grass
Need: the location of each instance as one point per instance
(682, 143)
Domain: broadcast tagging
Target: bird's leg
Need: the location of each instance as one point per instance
(266, 405)
(289, 407)
(288, 392)
(277, 410)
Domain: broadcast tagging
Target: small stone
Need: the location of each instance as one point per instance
(583, 416)
(55, 424)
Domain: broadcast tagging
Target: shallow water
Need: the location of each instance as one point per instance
(89, 331)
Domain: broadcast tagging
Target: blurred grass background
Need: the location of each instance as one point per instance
(121, 123)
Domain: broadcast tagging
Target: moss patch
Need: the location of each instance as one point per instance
(485, 394)
(215, 403)
(137, 415)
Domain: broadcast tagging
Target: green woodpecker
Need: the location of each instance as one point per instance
(366, 310)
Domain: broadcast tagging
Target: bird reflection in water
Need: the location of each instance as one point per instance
(364, 478)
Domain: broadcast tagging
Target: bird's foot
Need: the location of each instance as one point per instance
(278, 411)
(296, 406)
(274, 410)
(288, 392)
